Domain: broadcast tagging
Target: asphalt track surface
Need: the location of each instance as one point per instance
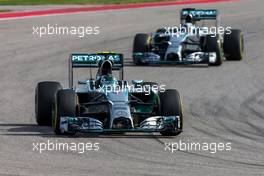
(222, 104)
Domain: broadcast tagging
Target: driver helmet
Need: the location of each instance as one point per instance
(189, 18)
(106, 67)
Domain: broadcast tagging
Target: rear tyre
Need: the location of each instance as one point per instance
(142, 44)
(171, 105)
(213, 44)
(44, 97)
(234, 45)
(65, 106)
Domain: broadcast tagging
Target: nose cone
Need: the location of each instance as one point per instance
(122, 123)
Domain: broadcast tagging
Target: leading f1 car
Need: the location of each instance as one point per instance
(190, 43)
(107, 104)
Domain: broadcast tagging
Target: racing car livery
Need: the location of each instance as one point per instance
(192, 44)
(107, 104)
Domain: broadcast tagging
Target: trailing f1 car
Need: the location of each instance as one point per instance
(190, 43)
(107, 104)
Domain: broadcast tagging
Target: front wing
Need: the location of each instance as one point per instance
(92, 125)
(193, 58)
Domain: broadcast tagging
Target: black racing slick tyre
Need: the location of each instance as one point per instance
(44, 97)
(142, 44)
(213, 44)
(234, 45)
(66, 102)
(171, 105)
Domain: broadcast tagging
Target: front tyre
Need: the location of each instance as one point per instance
(142, 44)
(234, 45)
(171, 105)
(44, 97)
(65, 106)
(213, 44)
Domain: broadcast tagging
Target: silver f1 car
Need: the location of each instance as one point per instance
(107, 104)
(191, 43)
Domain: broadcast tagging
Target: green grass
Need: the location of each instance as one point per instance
(44, 2)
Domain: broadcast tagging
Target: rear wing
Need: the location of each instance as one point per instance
(199, 14)
(95, 61)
